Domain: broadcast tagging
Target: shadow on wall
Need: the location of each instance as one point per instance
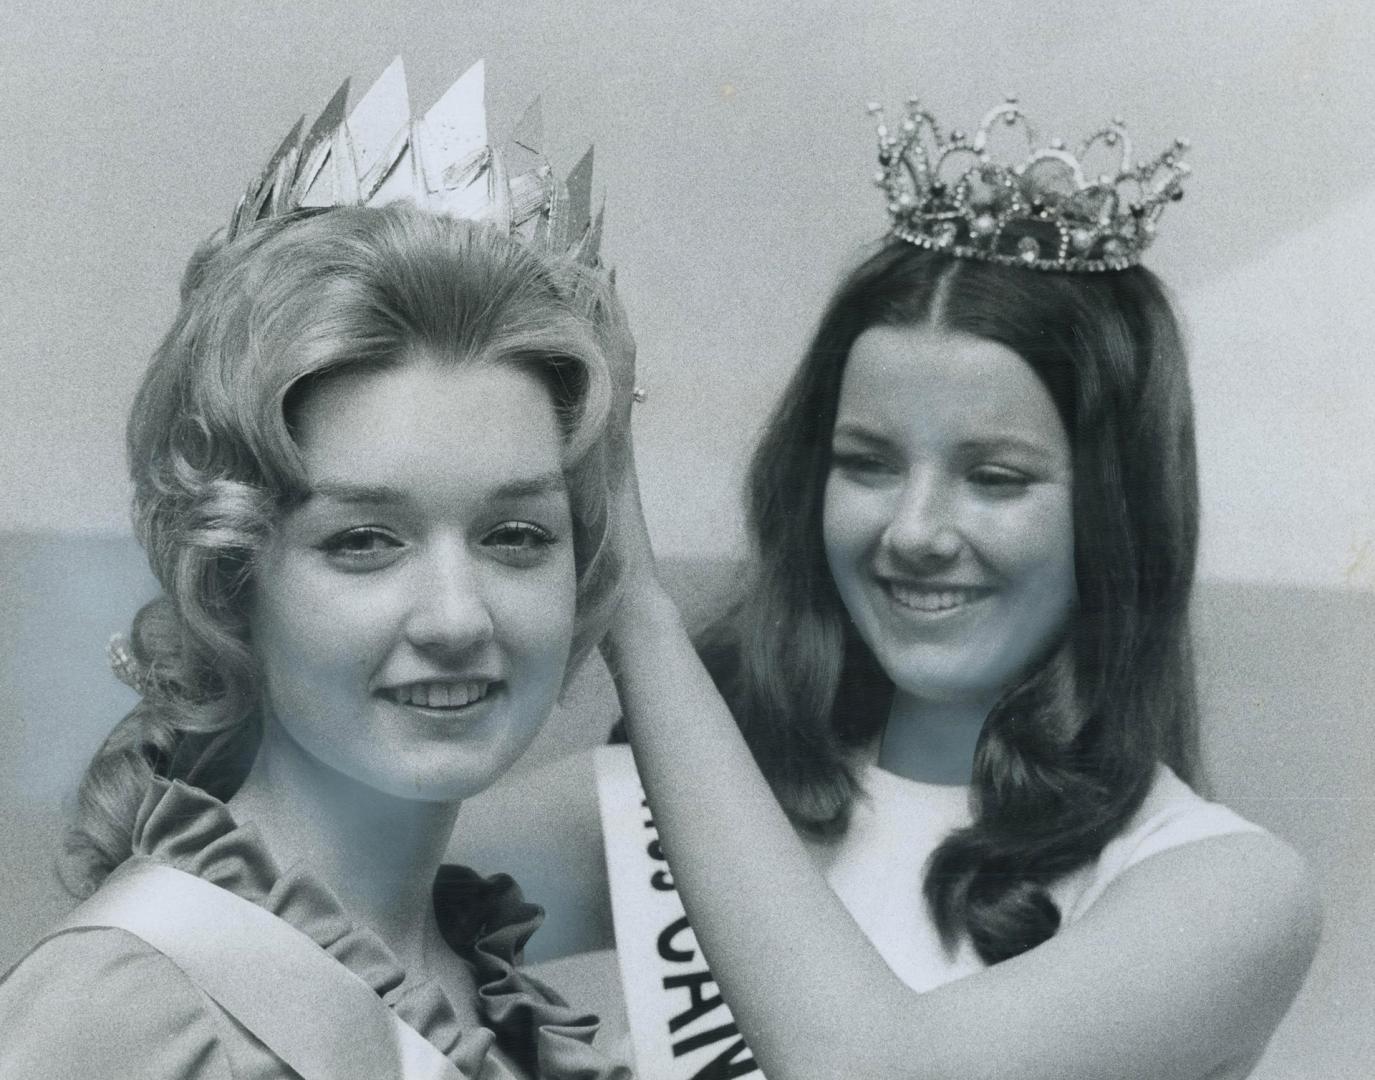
(1287, 683)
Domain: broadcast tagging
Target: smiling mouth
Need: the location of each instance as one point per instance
(932, 601)
(439, 695)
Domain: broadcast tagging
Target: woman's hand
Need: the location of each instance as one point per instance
(628, 535)
(618, 344)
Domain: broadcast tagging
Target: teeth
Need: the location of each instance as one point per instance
(930, 600)
(439, 695)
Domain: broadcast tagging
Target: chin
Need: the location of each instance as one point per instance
(433, 779)
(951, 681)
(430, 789)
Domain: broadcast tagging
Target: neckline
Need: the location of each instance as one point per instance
(484, 920)
(875, 774)
(865, 762)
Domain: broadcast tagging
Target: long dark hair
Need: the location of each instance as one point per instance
(1067, 755)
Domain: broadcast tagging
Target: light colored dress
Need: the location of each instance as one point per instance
(101, 1002)
(679, 1024)
(877, 867)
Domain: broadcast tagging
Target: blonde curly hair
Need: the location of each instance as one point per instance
(214, 463)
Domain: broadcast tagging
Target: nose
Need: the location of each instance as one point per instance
(925, 524)
(448, 611)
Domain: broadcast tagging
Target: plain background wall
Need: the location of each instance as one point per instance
(735, 154)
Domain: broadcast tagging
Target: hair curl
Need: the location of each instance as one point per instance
(214, 464)
(1066, 756)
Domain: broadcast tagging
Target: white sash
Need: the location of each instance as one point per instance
(305, 1006)
(680, 1026)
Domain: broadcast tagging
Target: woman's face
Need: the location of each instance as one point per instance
(412, 617)
(948, 515)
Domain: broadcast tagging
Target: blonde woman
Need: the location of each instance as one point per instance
(371, 473)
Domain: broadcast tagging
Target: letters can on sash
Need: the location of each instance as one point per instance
(680, 1026)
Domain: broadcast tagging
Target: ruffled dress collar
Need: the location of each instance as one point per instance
(484, 920)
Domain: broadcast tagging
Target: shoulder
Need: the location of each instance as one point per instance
(101, 1002)
(1195, 921)
(1171, 816)
(1243, 905)
(544, 828)
(1174, 813)
(1203, 863)
(1208, 941)
(1251, 875)
(1180, 842)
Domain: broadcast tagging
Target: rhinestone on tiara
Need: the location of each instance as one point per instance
(442, 162)
(1037, 209)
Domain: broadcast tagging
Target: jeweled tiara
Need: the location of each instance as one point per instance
(1038, 209)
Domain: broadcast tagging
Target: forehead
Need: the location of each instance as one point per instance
(429, 428)
(931, 380)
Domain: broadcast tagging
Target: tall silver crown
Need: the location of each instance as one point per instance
(1038, 209)
(441, 161)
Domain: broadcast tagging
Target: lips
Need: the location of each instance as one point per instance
(439, 694)
(933, 599)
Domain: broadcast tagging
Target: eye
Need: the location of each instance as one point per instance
(862, 464)
(363, 548)
(999, 479)
(520, 543)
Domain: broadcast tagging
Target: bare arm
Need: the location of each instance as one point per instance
(1183, 967)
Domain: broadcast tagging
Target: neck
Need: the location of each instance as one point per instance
(932, 741)
(378, 853)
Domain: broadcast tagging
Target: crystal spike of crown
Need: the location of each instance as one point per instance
(442, 162)
(1042, 207)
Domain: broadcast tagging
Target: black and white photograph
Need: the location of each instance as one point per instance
(563, 541)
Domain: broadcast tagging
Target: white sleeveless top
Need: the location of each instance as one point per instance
(877, 867)
(679, 1024)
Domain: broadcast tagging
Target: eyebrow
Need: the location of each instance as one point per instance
(351, 494)
(1007, 442)
(548, 483)
(1000, 441)
(854, 431)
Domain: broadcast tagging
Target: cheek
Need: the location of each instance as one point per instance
(850, 526)
(838, 544)
(1026, 536)
(1057, 548)
(1039, 555)
(536, 612)
(307, 632)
